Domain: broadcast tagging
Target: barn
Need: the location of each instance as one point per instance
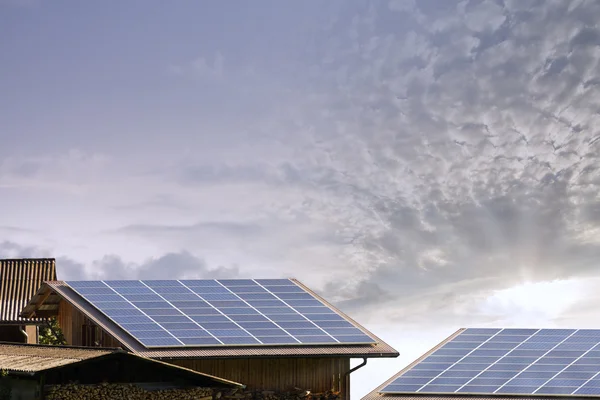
(63, 372)
(502, 363)
(269, 334)
(20, 279)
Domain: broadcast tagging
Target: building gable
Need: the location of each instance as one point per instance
(20, 279)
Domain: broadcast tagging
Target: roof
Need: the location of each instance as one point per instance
(47, 299)
(20, 279)
(376, 395)
(32, 359)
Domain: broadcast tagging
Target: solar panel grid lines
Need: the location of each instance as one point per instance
(456, 362)
(324, 331)
(501, 357)
(244, 329)
(133, 305)
(586, 382)
(245, 312)
(526, 368)
(270, 320)
(536, 362)
(562, 370)
(171, 304)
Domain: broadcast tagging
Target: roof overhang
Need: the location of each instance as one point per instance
(43, 304)
(34, 360)
(52, 292)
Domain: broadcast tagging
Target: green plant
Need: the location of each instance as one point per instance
(51, 333)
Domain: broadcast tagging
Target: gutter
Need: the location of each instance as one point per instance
(362, 364)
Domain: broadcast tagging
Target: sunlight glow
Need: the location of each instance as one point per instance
(534, 303)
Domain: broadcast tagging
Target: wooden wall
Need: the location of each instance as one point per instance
(72, 323)
(32, 334)
(280, 374)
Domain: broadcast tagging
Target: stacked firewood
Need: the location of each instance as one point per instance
(293, 394)
(114, 391)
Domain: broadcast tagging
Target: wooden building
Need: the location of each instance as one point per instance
(318, 368)
(63, 372)
(20, 279)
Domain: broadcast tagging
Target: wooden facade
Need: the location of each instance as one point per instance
(80, 330)
(317, 374)
(279, 374)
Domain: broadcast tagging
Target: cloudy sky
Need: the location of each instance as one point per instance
(425, 164)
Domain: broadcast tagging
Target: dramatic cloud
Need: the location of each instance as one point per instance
(421, 163)
(469, 136)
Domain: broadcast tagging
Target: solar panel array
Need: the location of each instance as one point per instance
(508, 361)
(171, 313)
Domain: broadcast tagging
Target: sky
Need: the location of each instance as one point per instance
(425, 165)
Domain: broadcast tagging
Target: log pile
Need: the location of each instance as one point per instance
(293, 394)
(114, 391)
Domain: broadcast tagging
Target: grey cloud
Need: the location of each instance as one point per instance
(182, 265)
(14, 229)
(232, 228)
(161, 201)
(175, 265)
(478, 157)
(438, 149)
(10, 249)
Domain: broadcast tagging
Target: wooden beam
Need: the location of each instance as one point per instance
(37, 304)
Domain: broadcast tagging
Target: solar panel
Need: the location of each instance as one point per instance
(172, 313)
(508, 362)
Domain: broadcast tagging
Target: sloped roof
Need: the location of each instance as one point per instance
(50, 294)
(20, 279)
(376, 395)
(31, 359)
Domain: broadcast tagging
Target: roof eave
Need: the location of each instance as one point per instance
(379, 350)
(287, 355)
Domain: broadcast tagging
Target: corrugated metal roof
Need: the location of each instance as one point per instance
(33, 358)
(20, 279)
(380, 349)
(30, 358)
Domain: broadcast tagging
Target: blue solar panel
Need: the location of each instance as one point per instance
(508, 361)
(171, 313)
